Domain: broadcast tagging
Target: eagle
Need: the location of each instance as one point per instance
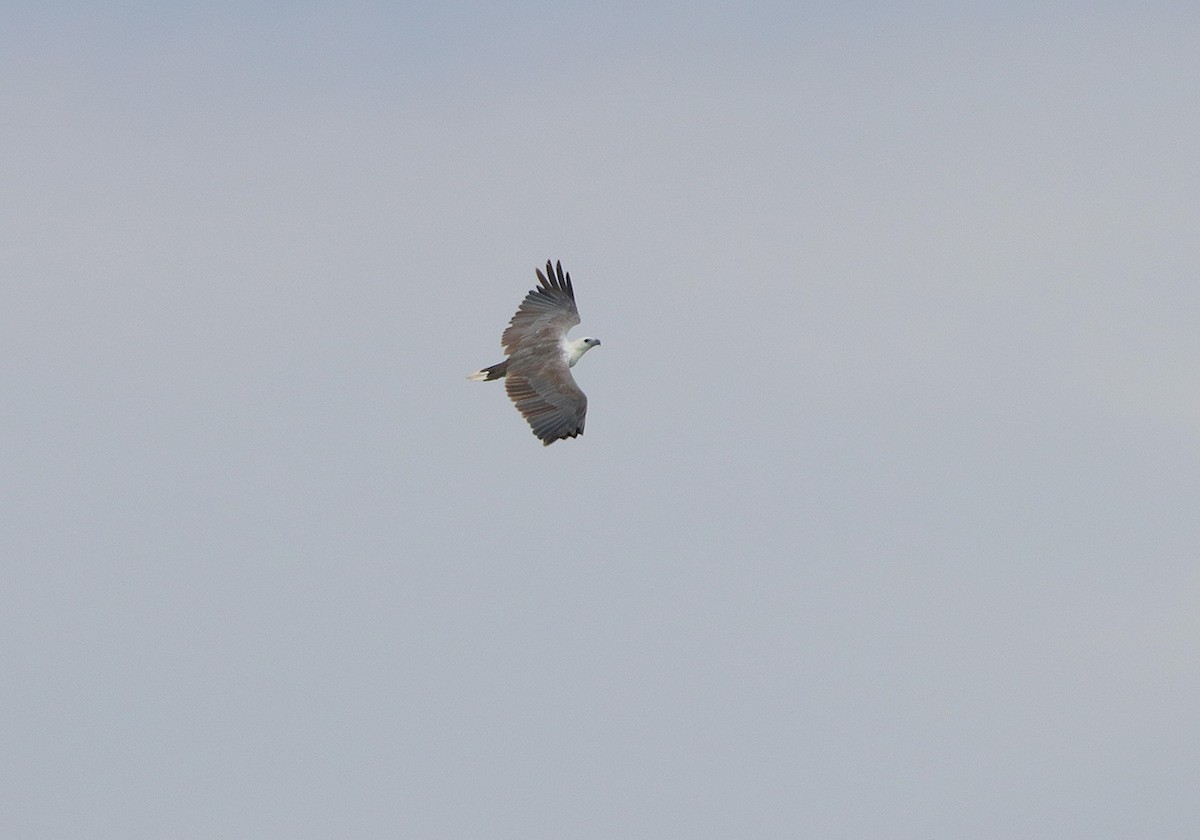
(537, 372)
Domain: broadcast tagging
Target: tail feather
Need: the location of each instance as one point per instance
(496, 371)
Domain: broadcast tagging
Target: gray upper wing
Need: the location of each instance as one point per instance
(546, 314)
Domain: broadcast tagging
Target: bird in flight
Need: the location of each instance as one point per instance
(537, 372)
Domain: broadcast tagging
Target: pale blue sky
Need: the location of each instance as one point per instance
(884, 524)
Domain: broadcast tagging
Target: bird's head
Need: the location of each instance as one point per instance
(575, 349)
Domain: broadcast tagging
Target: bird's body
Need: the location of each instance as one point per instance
(537, 372)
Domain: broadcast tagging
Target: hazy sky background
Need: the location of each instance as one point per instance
(887, 518)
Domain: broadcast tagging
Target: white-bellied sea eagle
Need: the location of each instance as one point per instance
(537, 372)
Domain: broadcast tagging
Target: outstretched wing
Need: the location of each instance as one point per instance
(539, 380)
(546, 314)
(549, 400)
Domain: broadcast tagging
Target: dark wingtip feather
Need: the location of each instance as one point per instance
(565, 279)
(555, 279)
(559, 279)
(551, 438)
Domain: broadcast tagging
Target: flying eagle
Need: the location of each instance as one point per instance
(537, 371)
